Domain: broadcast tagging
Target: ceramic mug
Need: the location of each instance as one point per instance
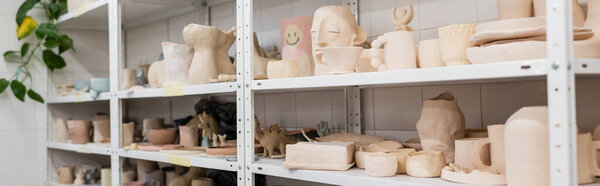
(342, 60)
(470, 150)
(587, 160)
(429, 54)
(400, 51)
(496, 141)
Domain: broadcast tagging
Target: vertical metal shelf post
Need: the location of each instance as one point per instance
(240, 92)
(116, 62)
(248, 101)
(561, 93)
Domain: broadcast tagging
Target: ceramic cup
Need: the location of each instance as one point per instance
(342, 60)
(401, 155)
(400, 52)
(100, 84)
(468, 150)
(188, 136)
(496, 142)
(381, 164)
(454, 41)
(128, 78)
(587, 159)
(429, 54)
(79, 131)
(202, 182)
(425, 164)
(62, 131)
(101, 131)
(66, 174)
(162, 136)
(128, 129)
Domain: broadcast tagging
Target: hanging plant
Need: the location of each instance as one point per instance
(48, 40)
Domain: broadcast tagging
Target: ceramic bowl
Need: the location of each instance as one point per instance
(162, 136)
(342, 60)
(81, 84)
(100, 84)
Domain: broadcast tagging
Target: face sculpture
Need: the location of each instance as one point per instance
(334, 26)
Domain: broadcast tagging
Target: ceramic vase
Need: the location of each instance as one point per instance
(282, 69)
(202, 182)
(296, 43)
(539, 7)
(368, 55)
(454, 41)
(469, 150)
(151, 123)
(128, 129)
(105, 178)
(100, 84)
(401, 156)
(429, 54)
(496, 143)
(101, 131)
(400, 52)
(210, 52)
(66, 175)
(154, 178)
(511, 9)
(440, 124)
(178, 58)
(341, 60)
(425, 164)
(162, 136)
(587, 160)
(527, 148)
(143, 167)
(62, 131)
(79, 131)
(128, 78)
(188, 136)
(381, 165)
(156, 74)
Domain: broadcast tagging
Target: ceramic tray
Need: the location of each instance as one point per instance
(460, 177)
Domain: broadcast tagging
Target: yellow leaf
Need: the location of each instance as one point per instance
(26, 28)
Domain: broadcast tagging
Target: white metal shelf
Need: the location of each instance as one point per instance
(587, 66)
(91, 16)
(80, 148)
(194, 161)
(105, 96)
(213, 88)
(55, 183)
(493, 72)
(354, 176)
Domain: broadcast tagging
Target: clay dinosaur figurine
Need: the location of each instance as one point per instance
(207, 123)
(272, 138)
(186, 179)
(402, 18)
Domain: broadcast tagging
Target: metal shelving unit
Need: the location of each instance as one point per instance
(558, 70)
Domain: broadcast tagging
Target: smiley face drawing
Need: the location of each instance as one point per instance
(293, 35)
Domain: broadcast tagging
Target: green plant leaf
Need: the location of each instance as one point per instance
(63, 6)
(24, 8)
(26, 28)
(35, 96)
(12, 56)
(52, 60)
(66, 43)
(3, 85)
(47, 29)
(51, 43)
(24, 49)
(18, 89)
(53, 11)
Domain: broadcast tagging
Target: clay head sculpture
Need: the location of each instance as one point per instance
(334, 26)
(210, 52)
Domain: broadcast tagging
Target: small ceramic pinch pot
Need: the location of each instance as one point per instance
(454, 41)
(511, 9)
(202, 182)
(66, 175)
(101, 131)
(342, 60)
(401, 155)
(282, 69)
(381, 165)
(162, 136)
(128, 78)
(429, 54)
(79, 131)
(400, 52)
(425, 164)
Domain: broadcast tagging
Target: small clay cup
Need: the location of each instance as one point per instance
(128, 129)
(162, 136)
(79, 131)
(151, 123)
(128, 78)
(429, 54)
(425, 164)
(381, 165)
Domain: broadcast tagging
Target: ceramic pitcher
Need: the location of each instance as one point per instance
(400, 51)
(496, 142)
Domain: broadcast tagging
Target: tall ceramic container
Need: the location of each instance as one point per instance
(178, 58)
(454, 41)
(400, 52)
(297, 43)
(526, 145)
(128, 129)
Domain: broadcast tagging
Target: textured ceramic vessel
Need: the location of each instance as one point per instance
(156, 74)
(128, 129)
(128, 78)
(79, 131)
(496, 143)
(143, 167)
(429, 54)
(400, 52)
(401, 156)
(341, 60)
(105, 178)
(511, 9)
(210, 52)
(440, 124)
(454, 41)
(101, 131)
(527, 148)
(202, 182)
(469, 150)
(282, 69)
(162, 136)
(296, 43)
(381, 165)
(154, 178)
(425, 164)
(178, 58)
(188, 136)
(151, 123)
(66, 174)
(62, 131)
(100, 84)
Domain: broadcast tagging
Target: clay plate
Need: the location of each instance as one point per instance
(229, 150)
(157, 147)
(459, 177)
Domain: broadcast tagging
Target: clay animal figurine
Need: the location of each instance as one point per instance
(222, 139)
(186, 179)
(215, 140)
(323, 129)
(272, 138)
(260, 59)
(207, 123)
(296, 43)
(210, 52)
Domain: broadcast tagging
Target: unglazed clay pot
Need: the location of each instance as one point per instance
(381, 165)
(348, 33)
(469, 150)
(440, 124)
(341, 60)
(156, 74)
(62, 132)
(210, 52)
(454, 41)
(143, 167)
(425, 164)
(79, 131)
(128, 78)
(363, 152)
(154, 178)
(282, 69)
(429, 54)
(178, 58)
(66, 174)
(510, 9)
(151, 123)
(105, 178)
(401, 156)
(400, 52)
(162, 136)
(296, 43)
(527, 149)
(128, 129)
(101, 131)
(368, 55)
(188, 136)
(496, 141)
(202, 182)
(587, 160)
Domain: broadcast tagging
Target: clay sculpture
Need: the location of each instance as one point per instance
(188, 135)
(496, 143)
(358, 139)
(162, 136)
(210, 52)
(66, 174)
(156, 74)
(128, 129)
(282, 69)
(510, 9)
(400, 51)
(101, 131)
(259, 59)
(296, 43)
(79, 131)
(128, 78)
(526, 150)
(151, 123)
(319, 155)
(203, 182)
(341, 60)
(440, 124)
(186, 179)
(205, 122)
(272, 139)
(62, 131)
(178, 58)
(381, 165)
(364, 151)
(454, 41)
(345, 28)
(429, 54)
(469, 150)
(425, 164)
(401, 156)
